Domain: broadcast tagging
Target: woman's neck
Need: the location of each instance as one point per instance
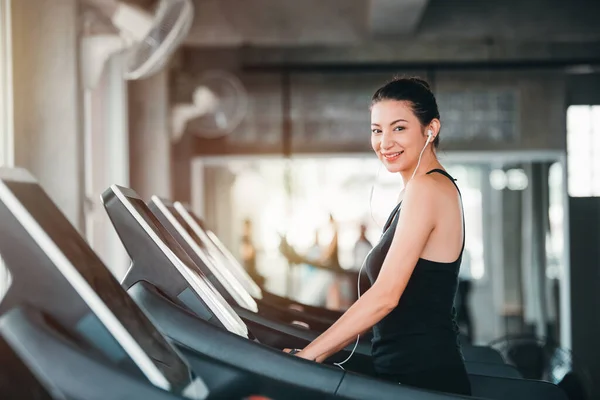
(429, 161)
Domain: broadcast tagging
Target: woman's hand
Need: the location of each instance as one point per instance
(301, 354)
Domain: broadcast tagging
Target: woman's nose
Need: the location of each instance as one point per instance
(386, 140)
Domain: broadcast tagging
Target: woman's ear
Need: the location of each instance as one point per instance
(434, 126)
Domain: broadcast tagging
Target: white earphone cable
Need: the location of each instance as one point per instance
(358, 336)
(371, 197)
(420, 156)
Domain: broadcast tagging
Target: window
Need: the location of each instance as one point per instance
(583, 151)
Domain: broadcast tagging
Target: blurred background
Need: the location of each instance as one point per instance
(259, 120)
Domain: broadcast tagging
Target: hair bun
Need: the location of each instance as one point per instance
(411, 79)
(422, 82)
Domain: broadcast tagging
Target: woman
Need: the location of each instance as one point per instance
(414, 267)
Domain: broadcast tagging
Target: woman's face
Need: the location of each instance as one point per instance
(396, 135)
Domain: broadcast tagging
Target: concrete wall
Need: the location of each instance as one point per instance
(541, 105)
(329, 111)
(48, 134)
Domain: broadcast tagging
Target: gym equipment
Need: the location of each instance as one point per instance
(64, 312)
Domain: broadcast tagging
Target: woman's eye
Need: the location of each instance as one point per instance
(399, 128)
(375, 131)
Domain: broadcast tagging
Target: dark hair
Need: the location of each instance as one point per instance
(415, 91)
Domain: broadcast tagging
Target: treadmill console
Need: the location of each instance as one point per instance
(53, 269)
(158, 258)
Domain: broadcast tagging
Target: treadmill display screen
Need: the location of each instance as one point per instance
(89, 267)
(208, 293)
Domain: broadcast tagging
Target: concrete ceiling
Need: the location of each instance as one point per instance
(393, 17)
(277, 22)
(309, 22)
(289, 23)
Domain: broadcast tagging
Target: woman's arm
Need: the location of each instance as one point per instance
(416, 222)
(325, 356)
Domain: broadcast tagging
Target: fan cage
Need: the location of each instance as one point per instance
(173, 19)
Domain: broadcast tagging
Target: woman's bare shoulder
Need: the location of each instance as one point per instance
(431, 188)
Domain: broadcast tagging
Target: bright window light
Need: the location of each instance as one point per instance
(583, 151)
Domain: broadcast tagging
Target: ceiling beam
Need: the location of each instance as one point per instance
(424, 53)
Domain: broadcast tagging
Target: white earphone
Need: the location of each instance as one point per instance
(429, 137)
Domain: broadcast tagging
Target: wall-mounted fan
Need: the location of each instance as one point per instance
(219, 104)
(147, 38)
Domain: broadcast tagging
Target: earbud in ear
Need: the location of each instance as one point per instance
(429, 136)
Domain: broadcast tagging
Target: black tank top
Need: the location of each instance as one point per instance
(421, 332)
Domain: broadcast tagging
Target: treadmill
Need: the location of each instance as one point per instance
(64, 312)
(154, 291)
(155, 282)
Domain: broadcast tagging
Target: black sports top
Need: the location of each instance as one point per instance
(421, 332)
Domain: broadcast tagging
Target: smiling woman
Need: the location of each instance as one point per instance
(414, 267)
